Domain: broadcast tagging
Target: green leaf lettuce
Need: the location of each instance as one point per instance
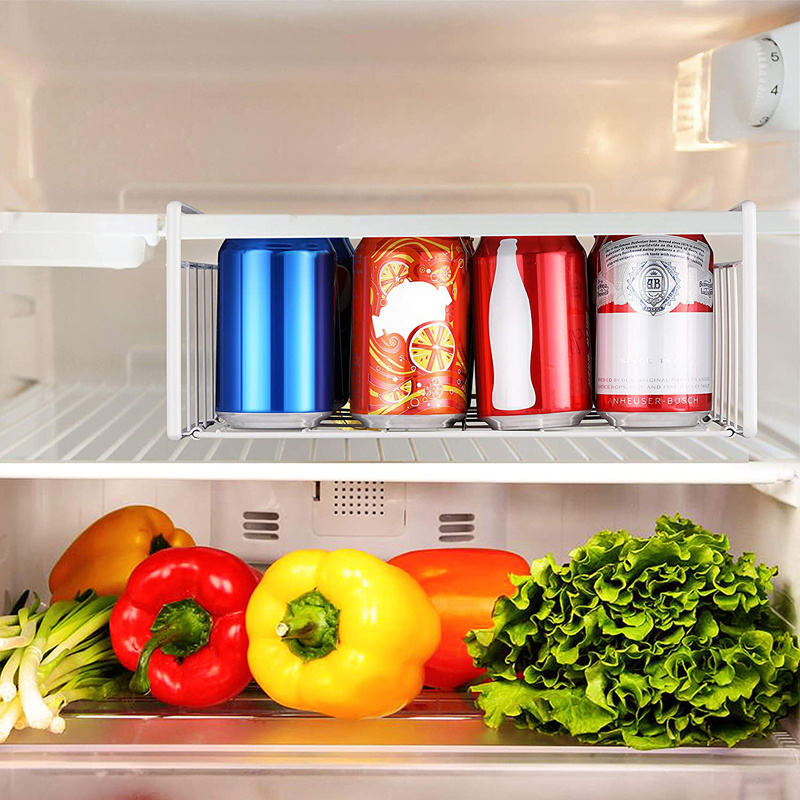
(648, 642)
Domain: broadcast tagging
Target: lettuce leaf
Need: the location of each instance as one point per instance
(648, 642)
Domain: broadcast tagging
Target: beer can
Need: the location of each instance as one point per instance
(275, 332)
(531, 319)
(410, 333)
(343, 319)
(654, 319)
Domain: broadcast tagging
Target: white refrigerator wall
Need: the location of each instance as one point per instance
(39, 518)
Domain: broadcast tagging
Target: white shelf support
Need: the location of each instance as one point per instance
(175, 212)
(749, 322)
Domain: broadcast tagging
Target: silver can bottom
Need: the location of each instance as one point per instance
(662, 421)
(409, 422)
(535, 422)
(294, 421)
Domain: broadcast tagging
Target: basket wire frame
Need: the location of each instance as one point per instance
(199, 282)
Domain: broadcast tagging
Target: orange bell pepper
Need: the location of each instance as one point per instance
(463, 584)
(104, 555)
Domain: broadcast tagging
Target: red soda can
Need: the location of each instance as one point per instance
(654, 339)
(531, 319)
(409, 368)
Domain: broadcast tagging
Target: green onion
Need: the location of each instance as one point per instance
(54, 657)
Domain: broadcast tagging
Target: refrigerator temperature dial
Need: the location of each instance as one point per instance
(763, 81)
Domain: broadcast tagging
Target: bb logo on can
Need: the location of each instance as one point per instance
(653, 287)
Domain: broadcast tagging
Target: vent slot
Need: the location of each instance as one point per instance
(456, 517)
(267, 515)
(456, 529)
(261, 525)
(358, 499)
(455, 538)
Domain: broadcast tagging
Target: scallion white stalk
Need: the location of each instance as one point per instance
(9, 718)
(57, 725)
(36, 712)
(8, 686)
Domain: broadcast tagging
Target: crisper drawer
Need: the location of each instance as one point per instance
(438, 747)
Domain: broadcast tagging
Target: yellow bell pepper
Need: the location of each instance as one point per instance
(340, 633)
(104, 555)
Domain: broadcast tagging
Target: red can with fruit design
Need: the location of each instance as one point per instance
(409, 368)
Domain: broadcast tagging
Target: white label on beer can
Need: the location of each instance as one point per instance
(665, 355)
(647, 345)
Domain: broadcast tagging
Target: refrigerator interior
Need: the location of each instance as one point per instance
(437, 741)
(363, 108)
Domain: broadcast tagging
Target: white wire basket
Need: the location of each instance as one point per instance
(191, 311)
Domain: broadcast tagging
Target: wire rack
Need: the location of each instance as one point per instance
(191, 335)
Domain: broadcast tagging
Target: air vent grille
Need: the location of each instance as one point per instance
(784, 739)
(358, 499)
(455, 528)
(261, 525)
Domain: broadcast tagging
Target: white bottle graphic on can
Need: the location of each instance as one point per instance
(510, 333)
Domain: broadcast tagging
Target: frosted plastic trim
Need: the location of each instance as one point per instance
(437, 733)
(116, 241)
(244, 226)
(415, 472)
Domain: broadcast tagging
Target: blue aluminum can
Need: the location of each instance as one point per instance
(345, 254)
(275, 332)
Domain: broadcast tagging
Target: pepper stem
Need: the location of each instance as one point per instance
(310, 626)
(159, 543)
(180, 629)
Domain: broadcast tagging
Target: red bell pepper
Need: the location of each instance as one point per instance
(180, 625)
(463, 584)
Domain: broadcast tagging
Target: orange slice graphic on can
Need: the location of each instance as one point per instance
(442, 274)
(432, 347)
(398, 394)
(392, 273)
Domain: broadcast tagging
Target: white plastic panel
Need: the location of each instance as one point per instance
(261, 521)
(248, 226)
(118, 241)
